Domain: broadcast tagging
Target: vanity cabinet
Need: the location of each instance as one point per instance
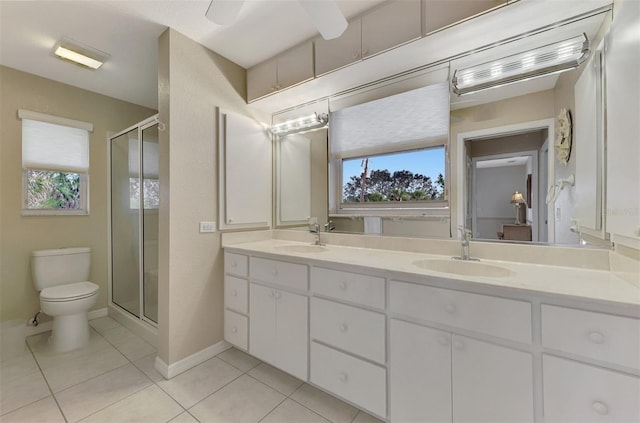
(278, 329)
(395, 22)
(289, 68)
(438, 14)
(439, 375)
(236, 300)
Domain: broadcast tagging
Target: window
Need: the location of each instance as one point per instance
(410, 176)
(55, 164)
(388, 156)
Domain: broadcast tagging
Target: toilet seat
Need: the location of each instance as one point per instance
(69, 292)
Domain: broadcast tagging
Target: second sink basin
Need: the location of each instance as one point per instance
(301, 248)
(463, 267)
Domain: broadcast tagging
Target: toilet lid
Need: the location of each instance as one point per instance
(70, 291)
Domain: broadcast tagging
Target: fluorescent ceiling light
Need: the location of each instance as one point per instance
(80, 54)
(549, 59)
(303, 124)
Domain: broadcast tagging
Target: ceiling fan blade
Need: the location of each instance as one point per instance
(326, 16)
(224, 12)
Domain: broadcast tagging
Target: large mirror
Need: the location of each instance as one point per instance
(502, 177)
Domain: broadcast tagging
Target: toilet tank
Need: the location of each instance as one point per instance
(60, 266)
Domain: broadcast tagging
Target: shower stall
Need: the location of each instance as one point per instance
(134, 200)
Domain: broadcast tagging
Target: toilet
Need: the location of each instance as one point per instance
(65, 294)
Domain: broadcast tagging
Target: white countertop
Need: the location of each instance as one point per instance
(597, 285)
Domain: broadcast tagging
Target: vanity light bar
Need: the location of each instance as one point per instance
(552, 58)
(303, 124)
(79, 54)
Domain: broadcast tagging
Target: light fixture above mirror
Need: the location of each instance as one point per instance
(300, 125)
(549, 59)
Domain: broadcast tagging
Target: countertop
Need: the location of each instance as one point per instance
(586, 284)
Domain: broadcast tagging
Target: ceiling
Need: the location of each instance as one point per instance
(128, 31)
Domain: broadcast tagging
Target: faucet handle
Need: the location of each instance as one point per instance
(464, 232)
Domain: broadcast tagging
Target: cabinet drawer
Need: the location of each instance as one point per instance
(235, 294)
(613, 339)
(349, 328)
(236, 264)
(361, 289)
(360, 382)
(576, 392)
(236, 329)
(280, 272)
(500, 317)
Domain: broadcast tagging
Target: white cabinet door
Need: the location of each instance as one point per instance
(622, 52)
(291, 333)
(390, 25)
(262, 79)
(295, 65)
(420, 374)
(490, 383)
(262, 323)
(576, 392)
(341, 51)
(438, 14)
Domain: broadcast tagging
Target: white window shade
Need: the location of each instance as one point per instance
(392, 123)
(150, 159)
(49, 146)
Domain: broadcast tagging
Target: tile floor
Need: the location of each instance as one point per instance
(113, 380)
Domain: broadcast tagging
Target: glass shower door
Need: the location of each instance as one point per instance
(151, 200)
(125, 222)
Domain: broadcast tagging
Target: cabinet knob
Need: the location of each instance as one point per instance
(343, 285)
(450, 308)
(234, 264)
(234, 329)
(229, 220)
(272, 294)
(443, 340)
(355, 55)
(458, 345)
(343, 377)
(365, 52)
(596, 337)
(234, 293)
(600, 408)
(343, 328)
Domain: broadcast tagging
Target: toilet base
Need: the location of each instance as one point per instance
(70, 332)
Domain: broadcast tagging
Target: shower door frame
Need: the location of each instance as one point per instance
(141, 325)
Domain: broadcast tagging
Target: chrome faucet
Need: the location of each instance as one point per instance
(315, 229)
(328, 227)
(465, 235)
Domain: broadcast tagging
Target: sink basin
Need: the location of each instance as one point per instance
(301, 248)
(463, 267)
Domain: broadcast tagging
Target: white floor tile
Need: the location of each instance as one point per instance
(363, 417)
(292, 412)
(117, 334)
(18, 366)
(148, 366)
(245, 400)
(103, 324)
(277, 379)
(199, 382)
(43, 411)
(134, 348)
(95, 394)
(185, 418)
(19, 391)
(324, 404)
(151, 405)
(239, 359)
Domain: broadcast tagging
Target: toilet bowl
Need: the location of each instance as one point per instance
(65, 294)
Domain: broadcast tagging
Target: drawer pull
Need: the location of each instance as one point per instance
(450, 308)
(343, 377)
(234, 329)
(343, 285)
(600, 408)
(344, 328)
(458, 345)
(443, 340)
(596, 337)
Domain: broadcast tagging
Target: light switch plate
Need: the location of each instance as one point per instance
(207, 227)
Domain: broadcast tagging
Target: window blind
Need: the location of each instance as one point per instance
(391, 123)
(49, 146)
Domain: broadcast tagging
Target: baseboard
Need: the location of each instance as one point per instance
(169, 371)
(46, 326)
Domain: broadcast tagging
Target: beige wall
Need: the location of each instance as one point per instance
(20, 235)
(193, 82)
